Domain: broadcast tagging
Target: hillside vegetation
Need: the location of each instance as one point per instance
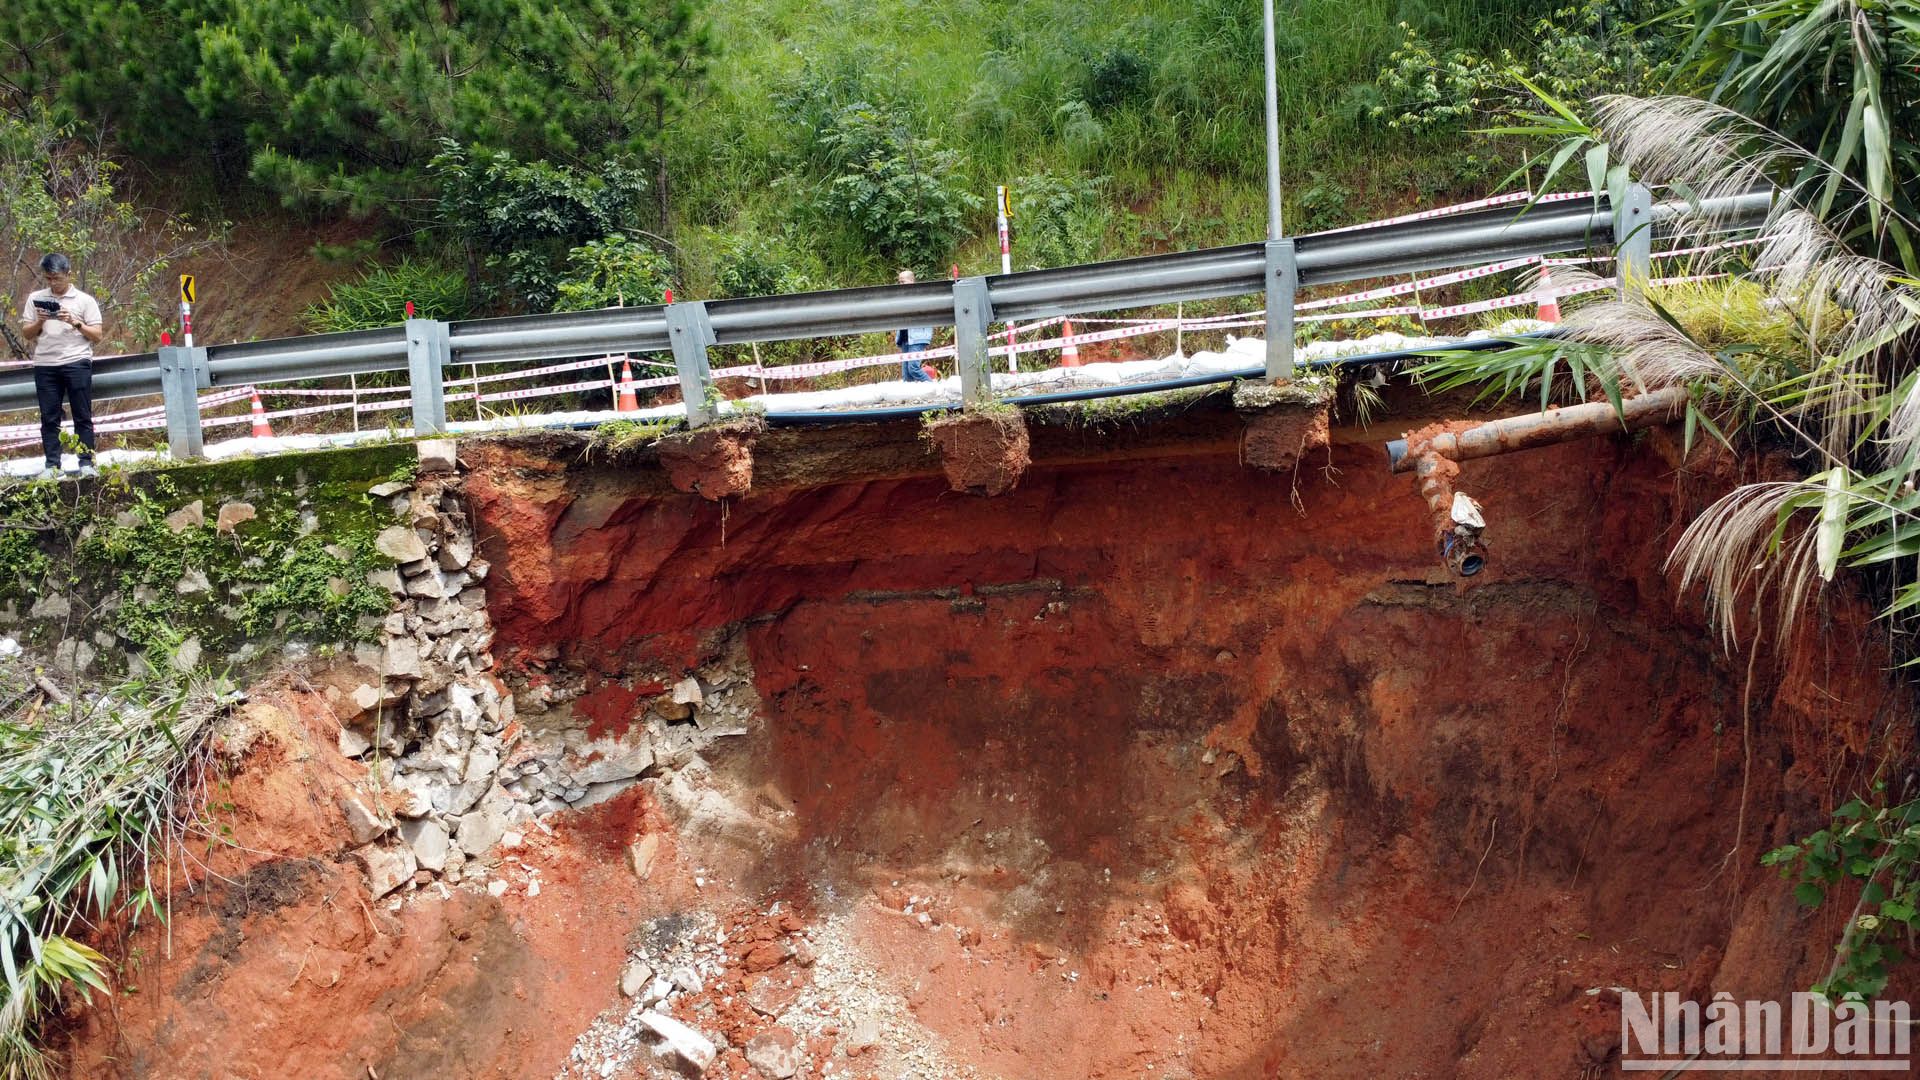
(530, 158)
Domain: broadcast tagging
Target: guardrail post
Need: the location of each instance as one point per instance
(691, 335)
(1283, 284)
(972, 315)
(1633, 238)
(429, 351)
(183, 373)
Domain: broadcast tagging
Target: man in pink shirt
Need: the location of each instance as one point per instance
(60, 325)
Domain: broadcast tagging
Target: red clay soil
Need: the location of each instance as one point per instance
(1188, 780)
(982, 453)
(275, 963)
(1155, 695)
(714, 462)
(1278, 439)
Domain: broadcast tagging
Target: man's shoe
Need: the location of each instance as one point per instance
(88, 472)
(48, 473)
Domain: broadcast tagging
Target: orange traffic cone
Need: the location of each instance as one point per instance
(260, 428)
(1549, 304)
(629, 400)
(1069, 353)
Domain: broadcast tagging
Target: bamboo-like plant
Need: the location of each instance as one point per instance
(93, 795)
(1837, 77)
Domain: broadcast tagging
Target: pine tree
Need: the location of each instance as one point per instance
(346, 101)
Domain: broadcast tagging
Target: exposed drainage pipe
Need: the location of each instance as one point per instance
(1548, 428)
(1457, 523)
(1434, 460)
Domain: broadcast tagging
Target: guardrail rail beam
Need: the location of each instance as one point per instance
(1384, 250)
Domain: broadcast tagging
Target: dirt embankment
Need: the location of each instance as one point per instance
(1158, 766)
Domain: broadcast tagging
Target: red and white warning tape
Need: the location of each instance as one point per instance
(1508, 199)
(1405, 287)
(1674, 253)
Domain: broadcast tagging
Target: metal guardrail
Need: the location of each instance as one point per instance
(426, 348)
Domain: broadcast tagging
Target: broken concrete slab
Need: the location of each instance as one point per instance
(438, 455)
(692, 1047)
(1284, 422)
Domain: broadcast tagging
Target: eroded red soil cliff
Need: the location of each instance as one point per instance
(1156, 765)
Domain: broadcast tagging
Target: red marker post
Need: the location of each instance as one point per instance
(186, 310)
(1002, 207)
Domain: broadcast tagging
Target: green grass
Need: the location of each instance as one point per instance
(1163, 98)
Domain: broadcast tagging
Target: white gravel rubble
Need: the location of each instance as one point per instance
(848, 992)
(617, 1038)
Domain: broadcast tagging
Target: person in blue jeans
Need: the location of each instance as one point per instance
(912, 339)
(61, 325)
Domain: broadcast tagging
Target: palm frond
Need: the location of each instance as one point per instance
(1709, 150)
(1650, 350)
(1749, 560)
(1559, 369)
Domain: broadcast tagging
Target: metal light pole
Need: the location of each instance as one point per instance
(1282, 278)
(1274, 231)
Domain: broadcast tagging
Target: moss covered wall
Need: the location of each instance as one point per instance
(215, 564)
